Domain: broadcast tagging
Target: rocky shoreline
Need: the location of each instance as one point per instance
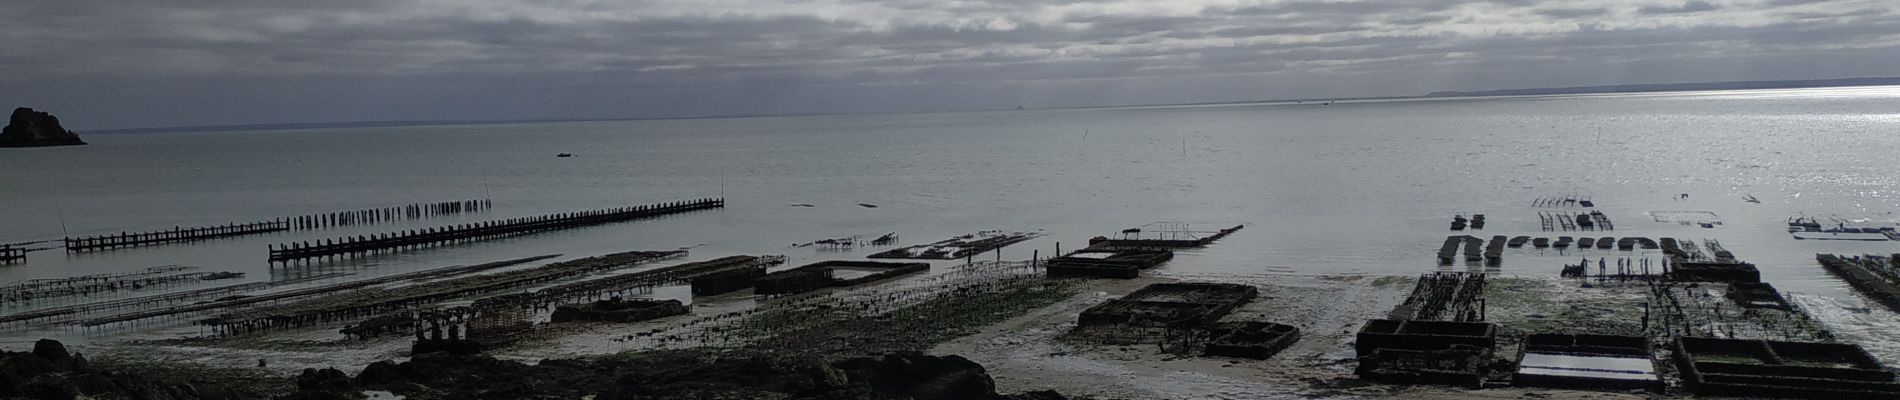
(679, 374)
(49, 372)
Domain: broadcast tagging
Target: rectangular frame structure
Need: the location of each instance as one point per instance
(822, 275)
(1165, 304)
(1761, 368)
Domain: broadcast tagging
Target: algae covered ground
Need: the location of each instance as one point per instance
(1555, 305)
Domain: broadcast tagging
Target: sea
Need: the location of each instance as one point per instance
(1322, 188)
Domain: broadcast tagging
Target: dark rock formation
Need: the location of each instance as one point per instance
(921, 377)
(327, 380)
(28, 128)
(51, 350)
(50, 372)
(688, 375)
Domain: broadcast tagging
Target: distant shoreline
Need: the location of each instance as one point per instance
(1674, 87)
(1573, 90)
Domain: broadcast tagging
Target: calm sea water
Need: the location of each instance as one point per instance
(1364, 187)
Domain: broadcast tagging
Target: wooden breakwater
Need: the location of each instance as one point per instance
(176, 234)
(372, 216)
(482, 230)
(374, 302)
(369, 216)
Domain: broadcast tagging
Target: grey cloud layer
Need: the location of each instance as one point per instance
(658, 58)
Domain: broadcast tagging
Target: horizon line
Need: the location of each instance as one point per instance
(1513, 92)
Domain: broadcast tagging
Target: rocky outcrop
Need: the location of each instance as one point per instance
(50, 372)
(327, 383)
(683, 375)
(28, 128)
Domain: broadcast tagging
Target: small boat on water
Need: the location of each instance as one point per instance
(1751, 198)
(564, 155)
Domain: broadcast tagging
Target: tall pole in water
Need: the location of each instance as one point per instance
(62, 221)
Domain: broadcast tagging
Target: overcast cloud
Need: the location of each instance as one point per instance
(133, 63)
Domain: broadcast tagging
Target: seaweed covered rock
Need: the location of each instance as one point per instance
(921, 377)
(29, 128)
(51, 350)
(327, 379)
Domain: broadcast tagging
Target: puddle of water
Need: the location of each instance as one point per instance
(381, 395)
(1622, 368)
(1854, 320)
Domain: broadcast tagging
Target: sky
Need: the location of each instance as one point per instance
(146, 63)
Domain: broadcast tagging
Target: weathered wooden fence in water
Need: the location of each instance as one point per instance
(368, 216)
(9, 254)
(176, 234)
(372, 216)
(482, 230)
